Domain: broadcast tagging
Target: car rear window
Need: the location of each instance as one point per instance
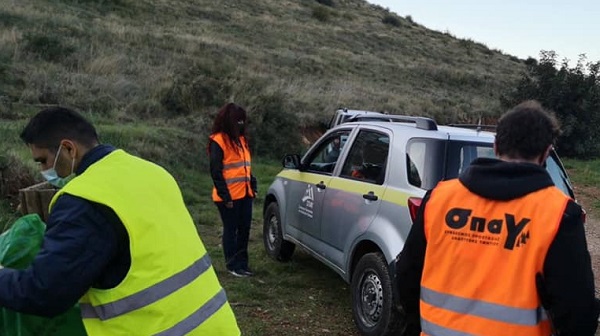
(430, 160)
(426, 166)
(425, 162)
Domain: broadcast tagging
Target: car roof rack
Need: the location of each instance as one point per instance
(421, 122)
(477, 127)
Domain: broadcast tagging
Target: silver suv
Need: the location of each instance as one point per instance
(351, 199)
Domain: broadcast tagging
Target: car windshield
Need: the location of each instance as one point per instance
(425, 173)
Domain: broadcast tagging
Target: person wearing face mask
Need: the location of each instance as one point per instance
(500, 250)
(234, 185)
(119, 240)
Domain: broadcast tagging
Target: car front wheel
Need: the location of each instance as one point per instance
(276, 247)
(373, 309)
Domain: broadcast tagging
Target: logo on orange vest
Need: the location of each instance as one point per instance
(484, 231)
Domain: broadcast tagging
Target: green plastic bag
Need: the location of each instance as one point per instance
(21, 243)
(18, 247)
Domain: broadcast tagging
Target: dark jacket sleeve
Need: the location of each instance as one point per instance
(77, 247)
(216, 171)
(569, 279)
(409, 268)
(254, 184)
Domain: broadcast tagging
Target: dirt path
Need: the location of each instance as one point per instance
(587, 196)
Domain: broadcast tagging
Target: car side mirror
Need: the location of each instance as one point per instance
(291, 161)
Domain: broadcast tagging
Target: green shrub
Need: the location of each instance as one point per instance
(198, 87)
(4, 76)
(274, 129)
(102, 6)
(14, 175)
(328, 3)
(48, 47)
(392, 20)
(10, 20)
(321, 13)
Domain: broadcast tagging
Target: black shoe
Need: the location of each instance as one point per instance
(246, 272)
(238, 273)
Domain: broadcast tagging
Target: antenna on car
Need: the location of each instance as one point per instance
(479, 124)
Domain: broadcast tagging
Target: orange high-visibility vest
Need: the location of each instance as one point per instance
(481, 261)
(236, 168)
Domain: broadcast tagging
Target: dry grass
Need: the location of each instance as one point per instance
(121, 50)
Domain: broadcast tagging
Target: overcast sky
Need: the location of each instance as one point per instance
(517, 27)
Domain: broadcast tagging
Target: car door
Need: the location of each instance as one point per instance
(305, 196)
(352, 199)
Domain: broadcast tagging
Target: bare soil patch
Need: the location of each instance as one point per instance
(587, 196)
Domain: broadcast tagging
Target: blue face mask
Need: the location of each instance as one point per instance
(52, 176)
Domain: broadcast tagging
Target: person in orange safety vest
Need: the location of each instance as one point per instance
(234, 185)
(500, 250)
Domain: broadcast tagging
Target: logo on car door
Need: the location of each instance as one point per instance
(306, 206)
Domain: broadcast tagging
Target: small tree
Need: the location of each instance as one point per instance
(572, 93)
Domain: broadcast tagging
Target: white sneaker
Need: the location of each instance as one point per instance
(238, 274)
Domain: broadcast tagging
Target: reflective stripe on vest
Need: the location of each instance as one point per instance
(170, 287)
(198, 317)
(148, 295)
(481, 260)
(237, 180)
(492, 311)
(433, 329)
(237, 165)
(237, 168)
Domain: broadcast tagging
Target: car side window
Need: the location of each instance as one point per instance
(367, 159)
(325, 157)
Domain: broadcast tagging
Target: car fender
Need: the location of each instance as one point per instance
(382, 234)
(276, 193)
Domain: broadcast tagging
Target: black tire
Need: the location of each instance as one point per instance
(276, 247)
(373, 307)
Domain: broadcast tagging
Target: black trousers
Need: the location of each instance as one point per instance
(236, 232)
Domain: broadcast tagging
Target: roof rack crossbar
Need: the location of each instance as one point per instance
(474, 126)
(421, 122)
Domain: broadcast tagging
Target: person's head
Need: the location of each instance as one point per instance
(231, 120)
(526, 133)
(58, 138)
(337, 142)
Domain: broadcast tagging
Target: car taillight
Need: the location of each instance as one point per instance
(413, 206)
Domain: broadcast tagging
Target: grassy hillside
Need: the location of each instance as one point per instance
(151, 74)
(146, 59)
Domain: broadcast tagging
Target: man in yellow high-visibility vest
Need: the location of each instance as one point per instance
(119, 240)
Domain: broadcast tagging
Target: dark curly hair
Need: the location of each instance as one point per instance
(526, 131)
(227, 121)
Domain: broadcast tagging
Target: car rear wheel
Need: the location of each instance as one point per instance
(373, 309)
(276, 247)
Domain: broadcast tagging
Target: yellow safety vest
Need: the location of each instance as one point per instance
(171, 287)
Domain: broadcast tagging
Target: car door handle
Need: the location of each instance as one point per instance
(321, 185)
(370, 196)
